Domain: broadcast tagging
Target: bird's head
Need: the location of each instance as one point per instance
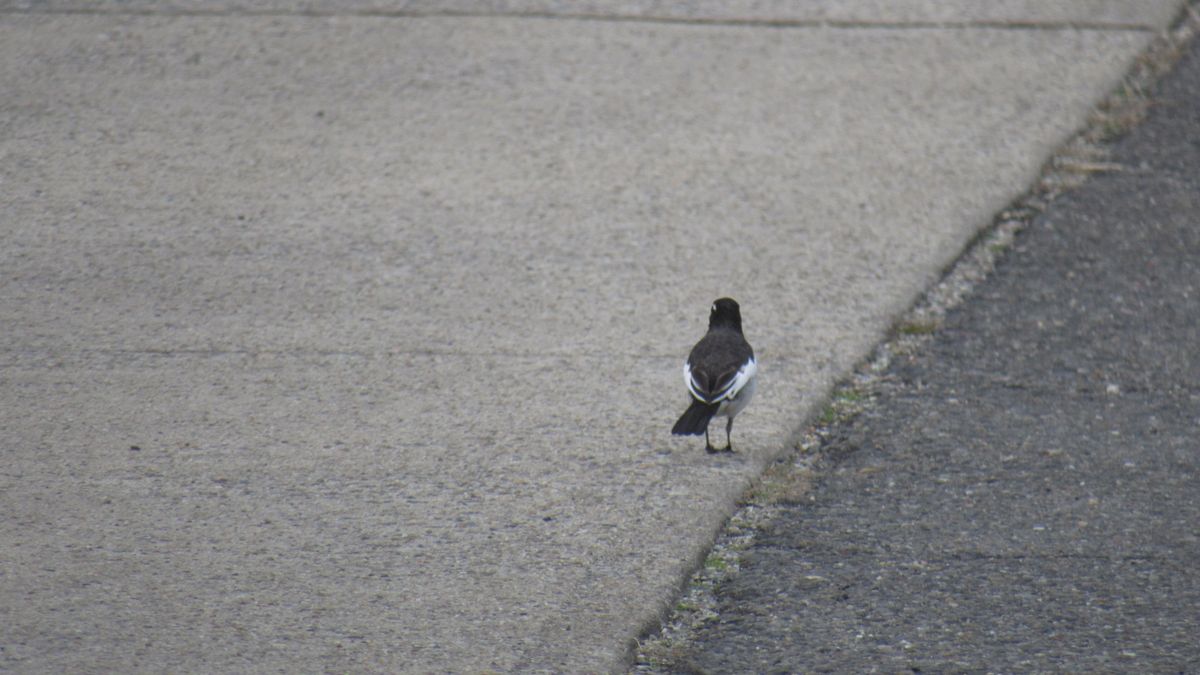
(725, 314)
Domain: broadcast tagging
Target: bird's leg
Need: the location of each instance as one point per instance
(728, 444)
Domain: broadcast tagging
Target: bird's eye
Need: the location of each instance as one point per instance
(714, 307)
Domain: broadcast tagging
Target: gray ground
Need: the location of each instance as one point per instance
(347, 336)
(1025, 493)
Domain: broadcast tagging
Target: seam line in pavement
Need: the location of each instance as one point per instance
(43, 354)
(17, 354)
(844, 24)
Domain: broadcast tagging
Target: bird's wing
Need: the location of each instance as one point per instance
(689, 378)
(740, 379)
(726, 386)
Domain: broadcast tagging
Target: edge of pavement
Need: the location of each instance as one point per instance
(788, 479)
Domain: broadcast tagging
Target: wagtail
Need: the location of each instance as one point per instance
(719, 374)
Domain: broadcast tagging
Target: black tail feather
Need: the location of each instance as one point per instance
(694, 421)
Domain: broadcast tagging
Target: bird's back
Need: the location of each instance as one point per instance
(715, 361)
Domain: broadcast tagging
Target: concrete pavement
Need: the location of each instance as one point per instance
(346, 337)
(1024, 493)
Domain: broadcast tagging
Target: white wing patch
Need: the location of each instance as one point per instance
(691, 383)
(743, 377)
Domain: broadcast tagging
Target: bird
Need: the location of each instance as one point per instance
(720, 374)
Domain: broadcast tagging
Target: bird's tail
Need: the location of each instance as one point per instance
(694, 421)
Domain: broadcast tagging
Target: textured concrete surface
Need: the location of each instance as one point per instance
(1025, 496)
(352, 342)
(1151, 14)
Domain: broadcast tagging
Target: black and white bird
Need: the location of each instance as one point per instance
(719, 374)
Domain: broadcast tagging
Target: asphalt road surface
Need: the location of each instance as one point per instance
(1025, 495)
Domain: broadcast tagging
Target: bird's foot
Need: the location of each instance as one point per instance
(716, 451)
